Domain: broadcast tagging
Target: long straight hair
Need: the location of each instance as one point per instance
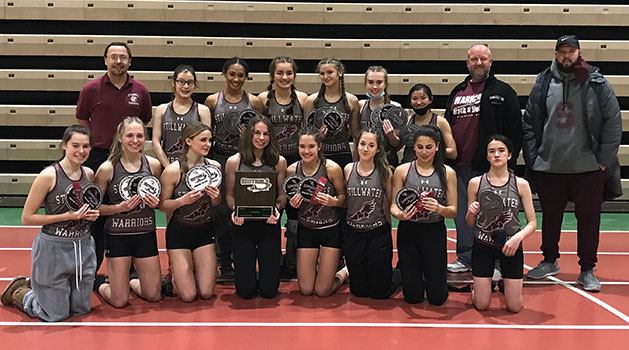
(340, 67)
(270, 154)
(189, 132)
(115, 152)
(438, 161)
(380, 159)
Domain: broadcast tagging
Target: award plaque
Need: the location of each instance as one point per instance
(408, 134)
(92, 196)
(198, 177)
(309, 118)
(397, 116)
(124, 187)
(149, 184)
(379, 114)
(307, 187)
(291, 185)
(255, 193)
(216, 178)
(231, 122)
(407, 196)
(245, 116)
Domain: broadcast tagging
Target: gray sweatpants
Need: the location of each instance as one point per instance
(62, 277)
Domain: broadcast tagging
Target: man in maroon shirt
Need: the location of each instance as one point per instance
(104, 102)
(477, 108)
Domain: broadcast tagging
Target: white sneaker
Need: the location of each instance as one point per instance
(458, 267)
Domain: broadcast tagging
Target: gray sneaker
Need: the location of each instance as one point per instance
(589, 281)
(458, 267)
(543, 270)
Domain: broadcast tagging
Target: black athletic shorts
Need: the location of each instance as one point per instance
(182, 237)
(311, 238)
(142, 245)
(484, 260)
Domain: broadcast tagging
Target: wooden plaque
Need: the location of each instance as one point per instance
(255, 193)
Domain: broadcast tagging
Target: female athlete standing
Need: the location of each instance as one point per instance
(318, 233)
(190, 232)
(130, 225)
(494, 201)
(376, 81)
(420, 98)
(421, 238)
(332, 94)
(63, 258)
(231, 99)
(175, 115)
(283, 105)
(256, 240)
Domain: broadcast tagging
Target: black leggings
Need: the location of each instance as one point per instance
(423, 259)
(368, 256)
(257, 240)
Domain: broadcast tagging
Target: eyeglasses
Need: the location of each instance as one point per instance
(122, 58)
(181, 82)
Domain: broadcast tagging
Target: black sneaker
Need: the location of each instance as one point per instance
(227, 274)
(98, 281)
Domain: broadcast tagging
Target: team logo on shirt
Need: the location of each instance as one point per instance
(287, 132)
(365, 210)
(313, 211)
(493, 215)
(176, 147)
(133, 98)
(565, 118)
(200, 212)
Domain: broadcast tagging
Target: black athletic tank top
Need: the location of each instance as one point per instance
(172, 125)
(286, 120)
(55, 203)
(224, 142)
(139, 220)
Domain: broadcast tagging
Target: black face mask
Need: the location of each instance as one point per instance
(423, 110)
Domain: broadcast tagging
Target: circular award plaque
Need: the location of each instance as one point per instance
(397, 116)
(307, 187)
(231, 122)
(92, 196)
(291, 185)
(245, 116)
(408, 134)
(70, 199)
(333, 120)
(124, 187)
(149, 184)
(198, 177)
(407, 196)
(216, 177)
(379, 114)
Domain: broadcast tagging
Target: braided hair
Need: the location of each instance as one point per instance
(340, 68)
(272, 67)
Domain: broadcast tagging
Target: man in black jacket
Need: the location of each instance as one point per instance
(478, 108)
(572, 130)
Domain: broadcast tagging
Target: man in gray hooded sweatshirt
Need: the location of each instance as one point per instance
(571, 134)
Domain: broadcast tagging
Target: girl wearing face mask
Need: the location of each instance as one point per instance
(421, 236)
(376, 80)
(420, 98)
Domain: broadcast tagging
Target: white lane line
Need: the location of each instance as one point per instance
(315, 324)
(588, 296)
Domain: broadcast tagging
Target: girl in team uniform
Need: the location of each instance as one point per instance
(190, 231)
(63, 260)
(256, 240)
(420, 98)
(130, 225)
(376, 81)
(318, 233)
(175, 115)
(232, 99)
(332, 94)
(283, 105)
(367, 244)
(421, 238)
(494, 201)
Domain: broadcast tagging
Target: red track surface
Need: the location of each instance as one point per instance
(554, 315)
